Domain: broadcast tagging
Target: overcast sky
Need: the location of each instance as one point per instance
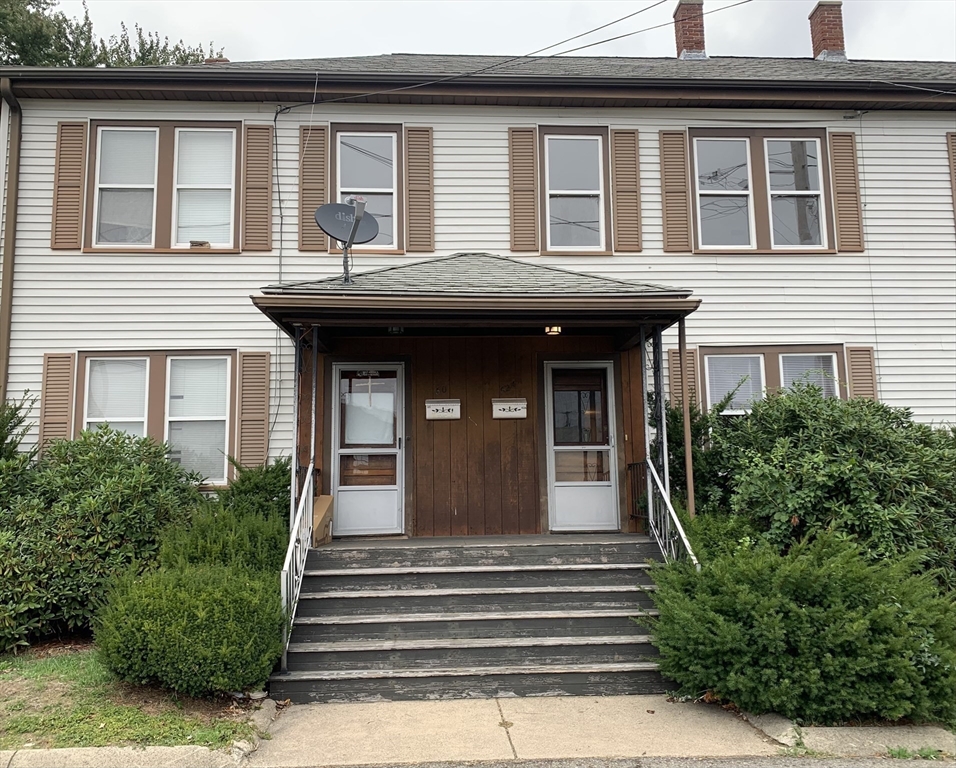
(278, 29)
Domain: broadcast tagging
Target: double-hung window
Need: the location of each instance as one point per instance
(762, 190)
(164, 186)
(368, 164)
(754, 371)
(575, 205)
(181, 399)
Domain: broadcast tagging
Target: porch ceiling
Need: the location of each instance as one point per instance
(475, 294)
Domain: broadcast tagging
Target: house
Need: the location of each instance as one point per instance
(563, 242)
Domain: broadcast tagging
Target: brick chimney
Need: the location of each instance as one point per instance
(689, 29)
(826, 31)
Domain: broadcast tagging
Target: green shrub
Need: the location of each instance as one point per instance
(197, 630)
(16, 466)
(819, 635)
(218, 535)
(89, 508)
(263, 490)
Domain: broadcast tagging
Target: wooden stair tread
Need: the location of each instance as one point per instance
(386, 618)
(451, 643)
(435, 569)
(528, 669)
(476, 591)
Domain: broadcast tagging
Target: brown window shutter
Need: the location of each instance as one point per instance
(675, 191)
(523, 184)
(420, 189)
(257, 188)
(56, 397)
(861, 372)
(70, 167)
(848, 211)
(674, 375)
(313, 185)
(252, 411)
(626, 190)
(951, 146)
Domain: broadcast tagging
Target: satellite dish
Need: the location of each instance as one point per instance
(336, 219)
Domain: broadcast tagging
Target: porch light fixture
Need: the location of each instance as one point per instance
(552, 330)
(396, 330)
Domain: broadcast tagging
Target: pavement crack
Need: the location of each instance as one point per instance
(506, 725)
(10, 761)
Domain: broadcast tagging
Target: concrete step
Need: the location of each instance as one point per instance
(471, 556)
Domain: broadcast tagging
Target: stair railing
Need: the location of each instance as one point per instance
(293, 569)
(664, 524)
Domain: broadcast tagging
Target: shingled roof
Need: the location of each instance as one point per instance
(722, 68)
(476, 274)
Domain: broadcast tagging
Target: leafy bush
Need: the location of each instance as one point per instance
(819, 635)
(262, 490)
(14, 426)
(219, 535)
(197, 629)
(88, 509)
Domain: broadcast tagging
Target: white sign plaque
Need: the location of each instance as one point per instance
(442, 409)
(509, 407)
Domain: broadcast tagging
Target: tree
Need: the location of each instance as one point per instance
(34, 33)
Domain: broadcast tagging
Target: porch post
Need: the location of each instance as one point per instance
(648, 483)
(660, 410)
(685, 403)
(315, 389)
(296, 385)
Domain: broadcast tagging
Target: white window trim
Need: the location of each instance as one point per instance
(86, 394)
(599, 193)
(751, 214)
(96, 193)
(395, 246)
(711, 401)
(174, 224)
(831, 355)
(222, 480)
(801, 193)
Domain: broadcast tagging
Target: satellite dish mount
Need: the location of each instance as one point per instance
(347, 223)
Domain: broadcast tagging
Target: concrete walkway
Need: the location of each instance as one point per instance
(391, 733)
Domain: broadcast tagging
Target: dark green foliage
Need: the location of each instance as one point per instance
(197, 629)
(16, 466)
(220, 535)
(819, 635)
(260, 490)
(33, 33)
(89, 508)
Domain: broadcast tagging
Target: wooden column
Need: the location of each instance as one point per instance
(685, 404)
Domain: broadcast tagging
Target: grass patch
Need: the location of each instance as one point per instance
(61, 695)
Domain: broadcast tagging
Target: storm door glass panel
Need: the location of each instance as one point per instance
(725, 373)
(819, 370)
(724, 192)
(574, 176)
(205, 176)
(369, 402)
(793, 168)
(116, 394)
(198, 397)
(126, 186)
(580, 407)
(366, 167)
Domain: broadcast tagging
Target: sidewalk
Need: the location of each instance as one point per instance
(504, 729)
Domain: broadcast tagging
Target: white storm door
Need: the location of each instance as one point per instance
(367, 430)
(582, 462)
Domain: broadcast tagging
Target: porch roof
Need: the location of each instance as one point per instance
(474, 291)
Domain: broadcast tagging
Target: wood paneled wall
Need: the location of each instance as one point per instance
(478, 475)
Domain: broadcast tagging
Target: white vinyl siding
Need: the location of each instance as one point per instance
(897, 296)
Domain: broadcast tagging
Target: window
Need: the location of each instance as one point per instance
(760, 190)
(758, 370)
(368, 163)
(182, 399)
(574, 179)
(164, 186)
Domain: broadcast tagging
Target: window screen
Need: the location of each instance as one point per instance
(366, 167)
(726, 372)
(196, 414)
(819, 370)
(204, 186)
(574, 192)
(126, 186)
(116, 394)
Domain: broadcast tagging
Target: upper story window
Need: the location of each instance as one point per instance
(574, 200)
(760, 190)
(367, 162)
(164, 186)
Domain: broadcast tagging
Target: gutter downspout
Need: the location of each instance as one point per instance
(9, 232)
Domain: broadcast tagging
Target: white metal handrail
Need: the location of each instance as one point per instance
(293, 569)
(664, 522)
